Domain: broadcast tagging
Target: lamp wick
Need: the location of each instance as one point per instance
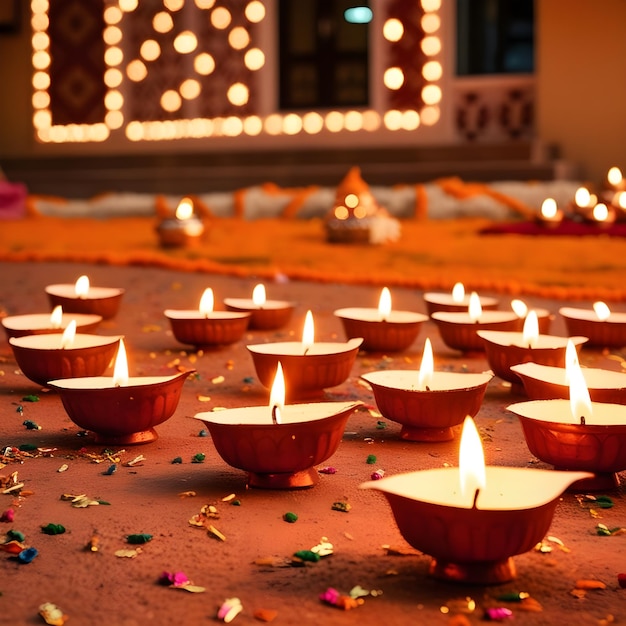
(475, 498)
(582, 420)
(275, 414)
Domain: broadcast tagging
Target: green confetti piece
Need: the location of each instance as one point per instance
(371, 459)
(381, 425)
(604, 502)
(30, 398)
(53, 529)
(16, 535)
(307, 555)
(291, 518)
(344, 507)
(198, 458)
(30, 425)
(27, 447)
(138, 538)
(236, 503)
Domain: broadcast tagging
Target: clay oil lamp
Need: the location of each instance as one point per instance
(548, 382)
(459, 330)
(544, 317)
(456, 300)
(264, 314)
(121, 410)
(69, 355)
(309, 367)
(83, 298)
(48, 323)
(583, 204)
(182, 230)
(279, 445)
(605, 328)
(577, 434)
(382, 329)
(429, 405)
(505, 349)
(204, 327)
(473, 519)
(550, 215)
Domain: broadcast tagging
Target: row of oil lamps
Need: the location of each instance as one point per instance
(471, 519)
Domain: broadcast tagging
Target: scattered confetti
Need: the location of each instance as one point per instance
(229, 497)
(136, 461)
(291, 518)
(513, 596)
(128, 553)
(605, 531)
(63, 468)
(30, 398)
(198, 458)
(200, 398)
(53, 529)
(497, 614)
(378, 474)
(7, 516)
(217, 380)
(324, 548)
(465, 605)
(110, 470)
(52, 614)
(27, 555)
(621, 579)
(333, 598)
(138, 538)
(177, 460)
(93, 545)
(231, 607)
(179, 580)
(30, 425)
(265, 615)
(371, 459)
(381, 425)
(203, 433)
(216, 533)
(344, 507)
(187, 494)
(327, 470)
(589, 584)
(307, 556)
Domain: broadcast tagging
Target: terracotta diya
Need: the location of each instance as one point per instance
(603, 327)
(48, 323)
(264, 314)
(279, 445)
(550, 215)
(46, 357)
(577, 434)
(456, 300)
(473, 519)
(382, 329)
(505, 349)
(121, 410)
(205, 327)
(183, 229)
(309, 367)
(429, 405)
(83, 298)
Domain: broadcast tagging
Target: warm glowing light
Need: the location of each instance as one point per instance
(238, 38)
(113, 100)
(171, 100)
(427, 367)
(113, 15)
(41, 80)
(128, 5)
(254, 59)
(292, 124)
(474, 309)
(312, 123)
(334, 121)
(458, 292)
(431, 5)
(430, 115)
(432, 70)
(258, 295)
(602, 311)
(393, 120)
(184, 210)
(431, 45)
(69, 334)
(384, 303)
(207, 301)
(341, 212)
(173, 5)
(113, 56)
(41, 100)
(162, 22)
(308, 332)
(255, 11)
(205, 4)
(431, 23)
(530, 333)
(582, 197)
(393, 30)
(351, 200)
(190, 89)
(238, 94)
(112, 35)
(614, 176)
(56, 317)
(136, 70)
(353, 121)
(150, 50)
(113, 77)
(431, 94)
(120, 370)
(185, 42)
(253, 125)
(204, 64)
(393, 78)
(600, 212)
(41, 60)
(81, 288)
(40, 41)
(114, 119)
(472, 474)
(571, 359)
(620, 199)
(549, 208)
(221, 18)
(359, 212)
(519, 308)
(579, 399)
(277, 394)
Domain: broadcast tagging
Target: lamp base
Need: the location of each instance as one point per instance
(414, 433)
(296, 480)
(477, 573)
(144, 436)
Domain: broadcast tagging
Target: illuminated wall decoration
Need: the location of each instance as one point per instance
(173, 69)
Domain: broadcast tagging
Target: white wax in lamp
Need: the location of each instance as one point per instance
(257, 302)
(456, 297)
(475, 314)
(48, 321)
(600, 312)
(82, 290)
(68, 340)
(205, 310)
(384, 312)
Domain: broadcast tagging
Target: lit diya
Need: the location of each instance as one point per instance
(430, 405)
(459, 330)
(121, 410)
(587, 207)
(309, 367)
(507, 348)
(264, 314)
(577, 434)
(382, 329)
(48, 323)
(456, 300)
(183, 229)
(473, 519)
(83, 298)
(550, 215)
(69, 355)
(544, 317)
(279, 445)
(605, 328)
(204, 327)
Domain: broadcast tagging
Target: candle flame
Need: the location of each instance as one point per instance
(620, 199)
(530, 333)
(258, 295)
(67, 339)
(120, 370)
(600, 212)
(474, 309)
(184, 211)
(277, 394)
(579, 399)
(458, 292)
(308, 332)
(602, 311)
(614, 176)
(384, 303)
(207, 301)
(519, 308)
(427, 367)
(582, 197)
(549, 208)
(472, 473)
(571, 359)
(56, 317)
(81, 288)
